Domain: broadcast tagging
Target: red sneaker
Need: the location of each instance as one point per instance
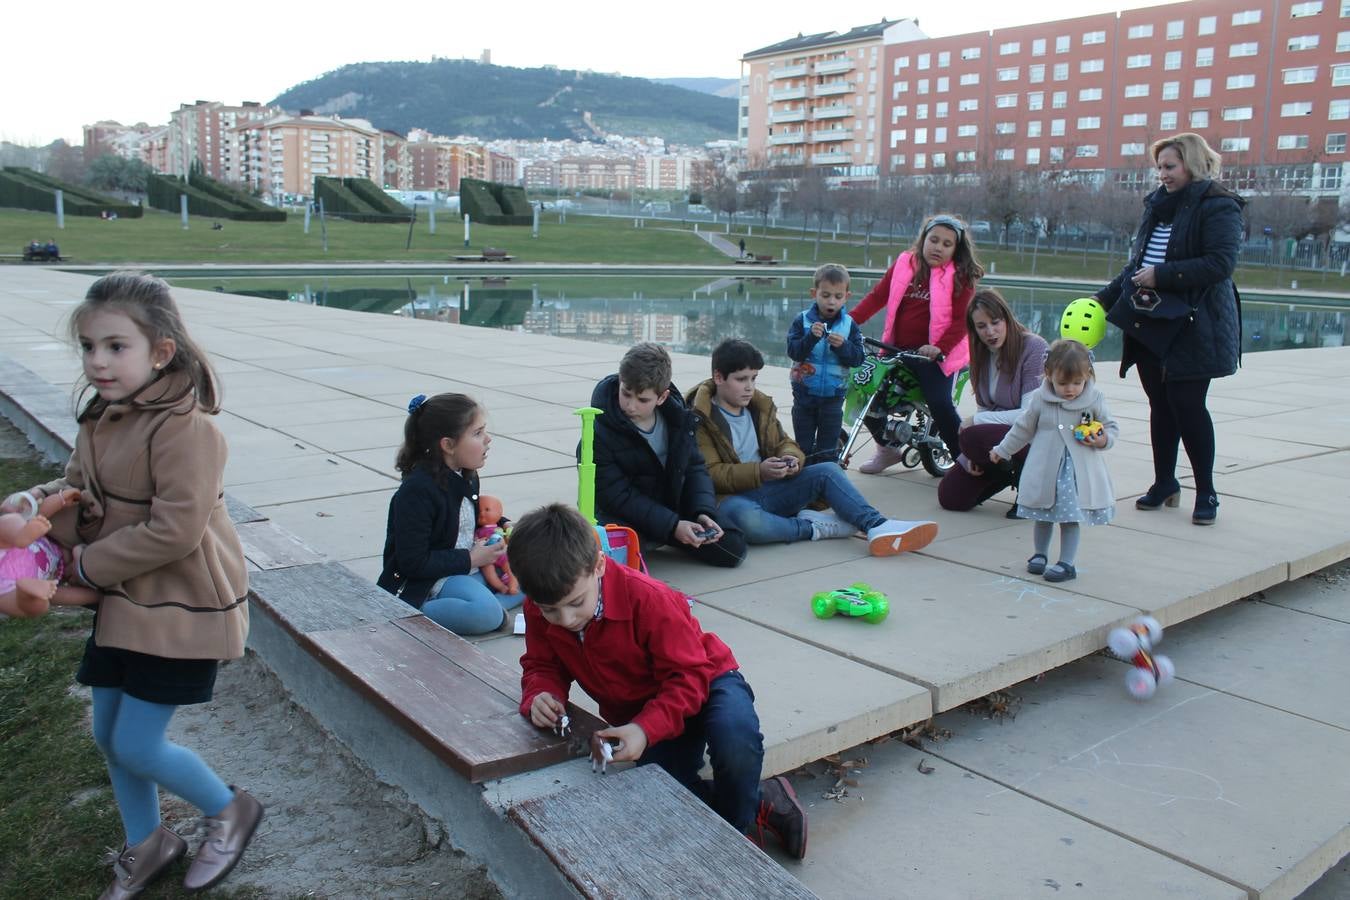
(781, 813)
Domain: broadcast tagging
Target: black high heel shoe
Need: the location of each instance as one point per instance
(1206, 509)
(1158, 497)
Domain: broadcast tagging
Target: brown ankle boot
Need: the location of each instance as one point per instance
(228, 833)
(137, 866)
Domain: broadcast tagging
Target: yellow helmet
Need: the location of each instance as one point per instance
(1084, 320)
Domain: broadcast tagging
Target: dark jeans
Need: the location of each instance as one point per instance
(959, 490)
(728, 727)
(937, 393)
(816, 423)
(728, 552)
(1177, 415)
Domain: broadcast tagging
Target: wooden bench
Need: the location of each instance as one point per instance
(489, 254)
(759, 259)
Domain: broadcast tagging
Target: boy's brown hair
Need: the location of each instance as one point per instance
(645, 367)
(831, 272)
(551, 548)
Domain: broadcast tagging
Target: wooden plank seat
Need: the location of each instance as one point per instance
(638, 833)
(457, 701)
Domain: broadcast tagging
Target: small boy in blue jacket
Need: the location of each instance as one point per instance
(825, 343)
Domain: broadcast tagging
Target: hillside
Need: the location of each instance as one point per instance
(453, 96)
(718, 87)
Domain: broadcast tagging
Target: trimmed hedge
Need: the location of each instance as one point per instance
(354, 199)
(27, 189)
(494, 204)
(207, 197)
(372, 194)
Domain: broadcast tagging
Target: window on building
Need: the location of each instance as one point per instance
(1085, 151)
(1304, 75)
(1250, 48)
(1342, 41)
(944, 59)
(1199, 118)
(968, 105)
(1336, 143)
(1140, 31)
(923, 85)
(1340, 75)
(1338, 109)
(920, 160)
(965, 156)
(1060, 72)
(1290, 110)
(970, 78)
(1345, 8)
(1094, 37)
(939, 160)
(1306, 42)
(1086, 95)
(1033, 156)
(1299, 10)
(899, 136)
(1034, 129)
(1237, 82)
(970, 53)
(1291, 142)
(1004, 154)
(921, 111)
(1087, 123)
(1132, 149)
(1247, 17)
(1176, 29)
(944, 84)
(1056, 127)
(1038, 47)
(900, 87)
(900, 112)
(1035, 100)
(1137, 61)
(967, 130)
(897, 160)
(1091, 65)
(1172, 59)
(1136, 90)
(925, 60)
(1005, 128)
(920, 135)
(1235, 144)
(939, 135)
(901, 63)
(1331, 178)
(1009, 48)
(1204, 56)
(1005, 101)
(1036, 74)
(1059, 99)
(1057, 154)
(1167, 121)
(1237, 113)
(1203, 87)
(1062, 44)
(1207, 25)
(1009, 74)
(1134, 120)
(940, 110)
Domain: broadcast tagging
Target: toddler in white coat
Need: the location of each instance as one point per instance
(1065, 478)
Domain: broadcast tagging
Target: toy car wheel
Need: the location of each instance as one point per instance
(1166, 671)
(881, 608)
(1140, 683)
(1155, 630)
(823, 606)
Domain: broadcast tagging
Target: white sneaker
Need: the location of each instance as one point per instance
(896, 536)
(883, 459)
(826, 525)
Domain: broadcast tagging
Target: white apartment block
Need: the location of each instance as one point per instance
(281, 156)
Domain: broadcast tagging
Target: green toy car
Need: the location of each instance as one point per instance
(856, 600)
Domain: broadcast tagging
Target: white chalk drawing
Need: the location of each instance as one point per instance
(1022, 590)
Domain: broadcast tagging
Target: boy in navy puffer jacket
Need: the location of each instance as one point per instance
(825, 343)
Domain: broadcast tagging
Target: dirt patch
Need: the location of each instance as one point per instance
(332, 828)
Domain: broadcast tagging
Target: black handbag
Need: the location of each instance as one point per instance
(1159, 319)
(1158, 305)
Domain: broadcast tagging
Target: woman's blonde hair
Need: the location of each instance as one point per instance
(1199, 158)
(1070, 358)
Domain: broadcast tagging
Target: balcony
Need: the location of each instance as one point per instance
(788, 115)
(796, 71)
(835, 66)
(832, 134)
(832, 112)
(831, 88)
(791, 137)
(788, 159)
(794, 93)
(831, 158)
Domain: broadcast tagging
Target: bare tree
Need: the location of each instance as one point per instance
(1004, 201)
(760, 196)
(723, 191)
(812, 198)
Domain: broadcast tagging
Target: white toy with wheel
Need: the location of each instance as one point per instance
(1135, 644)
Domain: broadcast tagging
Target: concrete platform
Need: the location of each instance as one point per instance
(315, 397)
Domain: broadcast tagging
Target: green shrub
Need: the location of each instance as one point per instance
(27, 189)
(490, 203)
(340, 199)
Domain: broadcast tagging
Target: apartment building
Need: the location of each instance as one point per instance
(202, 132)
(396, 161)
(1267, 82)
(282, 155)
(818, 101)
(150, 144)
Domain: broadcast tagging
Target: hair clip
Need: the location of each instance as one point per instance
(415, 403)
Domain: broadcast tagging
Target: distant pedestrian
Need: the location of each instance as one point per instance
(742, 248)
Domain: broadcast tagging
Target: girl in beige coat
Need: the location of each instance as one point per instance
(152, 536)
(1065, 478)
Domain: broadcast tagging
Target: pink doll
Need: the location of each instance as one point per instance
(31, 564)
(492, 525)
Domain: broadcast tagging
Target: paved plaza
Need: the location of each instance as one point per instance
(1230, 783)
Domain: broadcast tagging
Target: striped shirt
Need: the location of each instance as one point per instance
(1155, 254)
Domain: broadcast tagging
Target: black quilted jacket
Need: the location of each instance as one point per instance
(1201, 256)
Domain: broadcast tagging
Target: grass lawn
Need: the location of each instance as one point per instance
(57, 812)
(159, 238)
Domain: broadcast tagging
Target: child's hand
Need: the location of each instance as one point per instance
(707, 524)
(546, 710)
(1097, 440)
(773, 469)
(482, 555)
(930, 351)
(632, 741)
(687, 532)
(994, 457)
(836, 340)
(818, 329)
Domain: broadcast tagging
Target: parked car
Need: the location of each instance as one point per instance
(981, 227)
(698, 209)
(656, 206)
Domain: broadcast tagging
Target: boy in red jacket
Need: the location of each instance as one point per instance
(631, 642)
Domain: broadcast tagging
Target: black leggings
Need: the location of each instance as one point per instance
(1177, 414)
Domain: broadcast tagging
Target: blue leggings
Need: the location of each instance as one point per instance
(465, 604)
(130, 733)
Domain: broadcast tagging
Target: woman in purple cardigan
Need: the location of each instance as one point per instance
(1006, 365)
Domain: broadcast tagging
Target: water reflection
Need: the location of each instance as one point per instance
(693, 314)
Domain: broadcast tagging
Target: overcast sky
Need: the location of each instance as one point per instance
(137, 61)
